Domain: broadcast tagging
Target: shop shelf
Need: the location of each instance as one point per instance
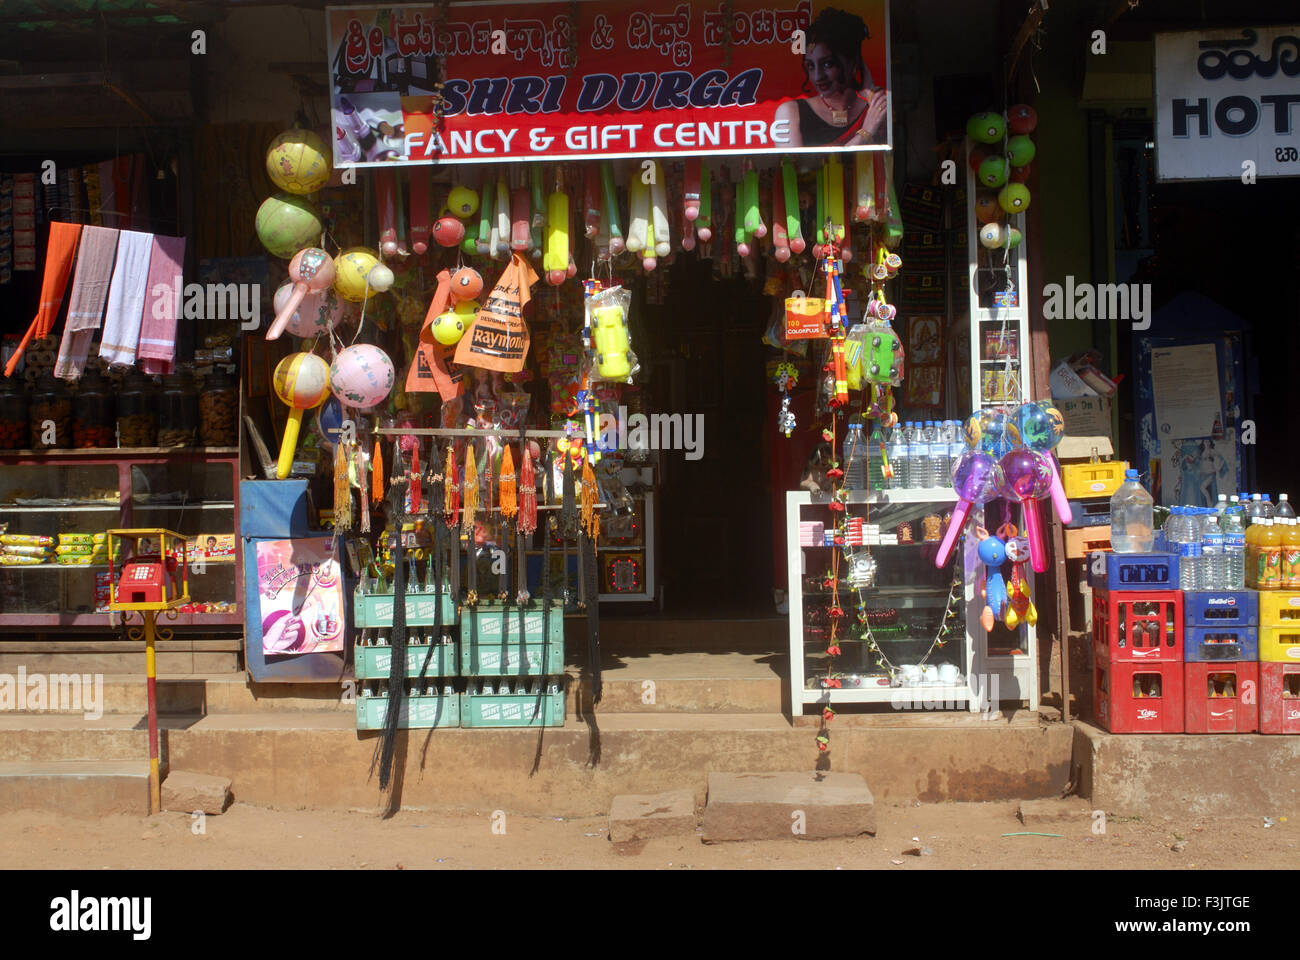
(375, 663)
(512, 710)
(418, 712)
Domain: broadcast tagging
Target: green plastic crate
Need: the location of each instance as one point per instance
(417, 712)
(376, 609)
(374, 663)
(512, 710)
(498, 649)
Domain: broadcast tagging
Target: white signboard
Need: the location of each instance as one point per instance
(1228, 103)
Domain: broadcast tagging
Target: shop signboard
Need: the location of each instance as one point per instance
(1228, 103)
(594, 79)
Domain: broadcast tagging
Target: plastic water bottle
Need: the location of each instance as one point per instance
(897, 449)
(1213, 559)
(1270, 511)
(940, 464)
(1221, 507)
(1189, 566)
(1234, 546)
(855, 458)
(919, 448)
(1256, 509)
(1284, 508)
(1131, 517)
(956, 447)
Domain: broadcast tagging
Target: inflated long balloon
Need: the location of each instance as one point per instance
(610, 211)
(520, 236)
(835, 196)
(591, 202)
(420, 213)
(399, 196)
(691, 200)
(538, 225)
(659, 212)
(502, 246)
(638, 214)
(386, 206)
(790, 196)
(485, 244)
(863, 187)
(1063, 511)
(555, 261)
(704, 222)
(780, 233)
(648, 261)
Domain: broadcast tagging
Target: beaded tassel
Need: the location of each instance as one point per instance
(342, 488)
(590, 494)
(377, 474)
(415, 479)
(470, 494)
(509, 493)
(451, 488)
(363, 480)
(527, 495)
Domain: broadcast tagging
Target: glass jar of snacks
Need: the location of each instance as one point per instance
(137, 412)
(178, 412)
(219, 411)
(14, 428)
(50, 415)
(93, 414)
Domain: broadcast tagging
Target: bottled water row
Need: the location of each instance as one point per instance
(1211, 544)
(921, 453)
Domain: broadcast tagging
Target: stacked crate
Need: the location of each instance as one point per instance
(514, 661)
(1221, 671)
(1088, 486)
(431, 702)
(1137, 625)
(1279, 661)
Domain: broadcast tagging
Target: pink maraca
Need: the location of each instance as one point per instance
(311, 270)
(976, 478)
(1027, 477)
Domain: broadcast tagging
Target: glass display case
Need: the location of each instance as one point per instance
(55, 506)
(921, 646)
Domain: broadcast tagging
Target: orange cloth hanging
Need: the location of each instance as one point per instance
(59, 254)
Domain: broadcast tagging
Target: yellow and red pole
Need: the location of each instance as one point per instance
(151, 675)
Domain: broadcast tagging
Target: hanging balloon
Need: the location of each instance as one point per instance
(286, 223)
(986, 127)
(297, 162)
(1020, 151)
(462, 202)
(1014, 198)
(353, 268)
(1022, 119)
(993, 171)
(362, 376)
(466, 284)
(448, 328)
(301, 380)
(448, 231)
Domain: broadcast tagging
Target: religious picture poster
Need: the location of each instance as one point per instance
(593, 80)
(1195, 470)
(300, 593)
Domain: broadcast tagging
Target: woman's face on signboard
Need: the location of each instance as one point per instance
(825, 71)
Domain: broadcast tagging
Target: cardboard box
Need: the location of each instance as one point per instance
(1084, 416)
(1068, 384)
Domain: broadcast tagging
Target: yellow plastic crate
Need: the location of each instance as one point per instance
(1086, 540)
(1280, 644)
(1279, 608)
(1099, 479)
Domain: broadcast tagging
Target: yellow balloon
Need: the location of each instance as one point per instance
(352, 267)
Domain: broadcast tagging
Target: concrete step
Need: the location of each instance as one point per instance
(197, 694)
(39, 737)
(79, 788)
(645, 634)
(176, 656)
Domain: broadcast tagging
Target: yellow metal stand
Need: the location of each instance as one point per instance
(150, 633)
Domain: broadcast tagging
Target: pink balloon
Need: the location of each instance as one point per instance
(362, 376)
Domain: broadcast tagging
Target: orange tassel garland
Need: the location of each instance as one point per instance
(509, 501)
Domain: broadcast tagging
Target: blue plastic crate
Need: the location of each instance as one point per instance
(1134, 571)
(1221, 642)
(1089, 513)
(1221, 608)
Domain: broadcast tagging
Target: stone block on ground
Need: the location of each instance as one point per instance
(647, 816)
(1055, 811)
(188, 792)
(778, 806)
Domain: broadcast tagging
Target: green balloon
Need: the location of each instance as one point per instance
(993, 171)
(286, 223)
(986, 127)
(1020, 151)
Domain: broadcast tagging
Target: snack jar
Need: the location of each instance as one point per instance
(50, 415)
(14, 428)
(137, 412)
(178, 412)
(219, 411)
(93, 413)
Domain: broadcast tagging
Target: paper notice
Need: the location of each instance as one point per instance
(1185, 381)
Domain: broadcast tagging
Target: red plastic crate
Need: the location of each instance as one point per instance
(1137, 625)
(1221, 697)
(1279, 697)
(1139, 697)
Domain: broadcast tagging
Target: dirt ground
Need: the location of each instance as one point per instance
(951, 836)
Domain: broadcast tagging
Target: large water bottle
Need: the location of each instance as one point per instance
(896, 448)
(855, 458)
(1269, 511)
(1256, 508)
(956, 447)
(1213, 559)
(1234, 546)
(1284, 508)
(940, 461)
(918, 456)
(1132, 521)
(1189, 550)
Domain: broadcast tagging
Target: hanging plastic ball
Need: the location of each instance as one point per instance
(448, 328)
(997, 436)
(976, 156)
(466, 284)
(462, 202)
(987, 127)
(353, 269)
(987, 209)
(1014, 198)
(993, 172)
(992, 236)
(286, 223)
(362, 376)
(1022, 119)
(448, 231)
(1037, 428)
(1021, 174)
(381, 278)
(1020, 151)
(298, 162)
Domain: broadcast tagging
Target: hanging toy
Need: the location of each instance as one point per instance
(466, 284)
(297, 162)
(386, 206)
(362, 376)
(1027, 477)
(501, 222)
(638, 214)
(1020, 608)
(556, 259)
(591, 201)
(993, 554)
(520, 220)
(419, 194)
(485, 244)
(310, 271)
(691, 189)
(704, 221)
(976, 478)
(790, 197)
(1041, 427)
(787, 377)
(610, 211)
(780, 224)
(301, 380)
(462, 202)
(659, 211)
